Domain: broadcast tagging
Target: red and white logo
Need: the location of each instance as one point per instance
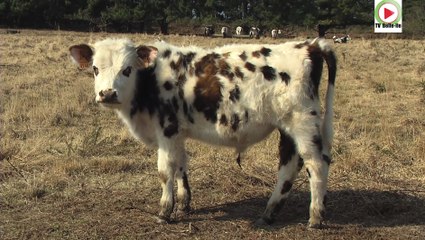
(388, 13)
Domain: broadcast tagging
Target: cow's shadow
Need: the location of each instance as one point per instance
(367, 208)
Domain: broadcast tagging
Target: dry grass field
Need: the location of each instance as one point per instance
(69, 169)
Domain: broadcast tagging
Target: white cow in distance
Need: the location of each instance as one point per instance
(232, 96)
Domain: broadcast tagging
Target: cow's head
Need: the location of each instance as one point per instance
(115, 63)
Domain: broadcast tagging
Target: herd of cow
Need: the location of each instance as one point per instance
(253, 32)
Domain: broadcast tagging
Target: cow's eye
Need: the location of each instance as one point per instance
(96, 70)
(126, 72)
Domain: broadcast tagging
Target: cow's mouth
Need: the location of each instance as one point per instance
(109, 96)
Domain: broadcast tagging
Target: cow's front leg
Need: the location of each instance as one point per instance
(183, 189)
(169, 155)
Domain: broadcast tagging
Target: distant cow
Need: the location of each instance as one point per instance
(225, 31)
(344, 39)
(238, 30)
(208, 31)
(232, 96)
(254, 32)
(274, 33)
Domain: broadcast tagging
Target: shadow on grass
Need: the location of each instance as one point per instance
(367, 208)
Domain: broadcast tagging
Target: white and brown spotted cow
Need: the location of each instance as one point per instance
(232, 96)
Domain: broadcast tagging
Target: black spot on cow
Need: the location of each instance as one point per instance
(183, 62)
(250, 66)
(246, 116)
(301, 45)
(188, 112)
(146, 93)
(269, 73)
(313, 113)
(300, 164)
(225, 69)
(327, 159)
(287, 185)
(265, 51)
(168, 111)
(315, 54)
(286, 148)
(223, 120)
(317, 140)
(243, 56)
(166, 54)
(234, 121)
(238, 72)
(285, 77)
(168, 85)
(235, 94)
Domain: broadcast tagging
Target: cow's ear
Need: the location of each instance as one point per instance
(147, 54)
(82, 55)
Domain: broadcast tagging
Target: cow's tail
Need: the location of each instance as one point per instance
(327, 124)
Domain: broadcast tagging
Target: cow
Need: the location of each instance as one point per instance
(232, 96)
(254, 32)
(225, 31)
(344, 39)
(274, 33)
(238, 30)
(208, 31)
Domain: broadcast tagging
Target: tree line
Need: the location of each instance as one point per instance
(158, 15)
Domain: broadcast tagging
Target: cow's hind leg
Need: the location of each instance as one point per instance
(183, 189)
(308, 140)
(289, 166)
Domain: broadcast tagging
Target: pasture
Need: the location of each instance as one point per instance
(69, 169)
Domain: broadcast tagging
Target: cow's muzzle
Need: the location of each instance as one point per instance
(109, 96)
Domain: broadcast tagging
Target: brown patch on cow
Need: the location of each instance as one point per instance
(238, 72)
(256, 54)
(226, 55)
(250, 66)
(191, 70)
(243, 56)
(168, 85)
(225, 69)
(285, 77)
(269, 73)
(287, 185)
(235, 94)
(234, 122)
(208, 96)
(163, 177)
(207, 65)
(265, 51)
(223, 120)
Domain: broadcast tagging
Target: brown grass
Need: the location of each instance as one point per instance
(69, 169)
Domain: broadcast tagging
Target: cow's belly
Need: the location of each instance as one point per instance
(239, 139)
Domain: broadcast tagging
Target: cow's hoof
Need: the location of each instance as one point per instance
(182, 213)
(313, 226)
(162, 220)
(263, 222)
